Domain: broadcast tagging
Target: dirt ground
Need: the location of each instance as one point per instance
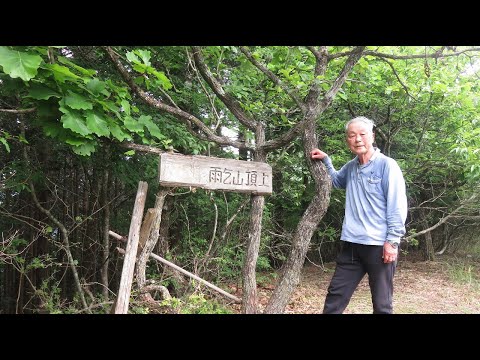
(420, 287)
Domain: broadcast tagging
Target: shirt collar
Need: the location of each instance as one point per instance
(374, 156)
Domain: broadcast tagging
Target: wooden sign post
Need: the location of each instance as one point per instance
(194, 171)
(123, 299)
(215, 173)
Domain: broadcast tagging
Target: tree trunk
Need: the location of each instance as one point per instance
(249, 303)
(291, 271)
(106, 240)
(150, 237)
(429, 252)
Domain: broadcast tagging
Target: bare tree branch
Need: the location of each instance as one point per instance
(142, 148)
(275, 79)
(398, 77)
(320, 69)
(443, 220)
(434, 55)
(319, 107)
(230, 102)
(191, 62)
(183, 116)
(19, 111)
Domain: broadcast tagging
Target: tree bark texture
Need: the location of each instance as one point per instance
(123, 299)
(249, 303)
(429, 252)
(149, 236)
(291, 271)
(106, 238)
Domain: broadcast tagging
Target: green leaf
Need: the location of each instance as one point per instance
(141, 68)
(4, 142)
(86, 149)
(41, 92)
(132, 57)
(75, 141)
(117, 131)
(52, 129)
(144, 119)
(62, 105)
(19, 64)
(61, 73)
(22, 139)
(81, 70)
(133, 125)
(75, 122)
(145, 55)
(151, 126)
(97, 124)
(77, 101)
(126, 106)
(110, 106)
(129, 152)
(97, 87)
(164, 81)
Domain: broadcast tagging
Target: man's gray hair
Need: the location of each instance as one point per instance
(362, 119)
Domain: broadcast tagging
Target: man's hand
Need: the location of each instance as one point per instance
(389, 253)
(317, 154)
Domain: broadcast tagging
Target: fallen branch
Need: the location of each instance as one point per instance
(178, 268)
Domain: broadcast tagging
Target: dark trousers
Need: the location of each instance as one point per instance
(353, 262)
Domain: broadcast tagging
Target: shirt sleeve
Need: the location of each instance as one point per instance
(397, 206)
(339, 178)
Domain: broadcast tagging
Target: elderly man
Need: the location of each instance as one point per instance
(374, 222)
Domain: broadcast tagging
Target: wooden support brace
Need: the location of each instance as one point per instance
(183, 271)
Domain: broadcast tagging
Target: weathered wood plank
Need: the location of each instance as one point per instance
(215, 173)
(123, 298)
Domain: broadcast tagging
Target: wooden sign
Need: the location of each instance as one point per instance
(215, 173)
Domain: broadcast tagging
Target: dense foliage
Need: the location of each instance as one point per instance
(66, 177)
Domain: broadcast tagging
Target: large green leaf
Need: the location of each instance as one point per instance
(97, 124)
(133, 125)
(41, 92)
(118, 133)
(151, 126)
(61, 73)
(19, 64)
(77, 101)
(97, 87)
(75, 122)
(162, 78)
(86, 149)
(81, 70)
(145, 55)
(132, 57)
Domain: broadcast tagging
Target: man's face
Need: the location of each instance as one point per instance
(359, 138)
